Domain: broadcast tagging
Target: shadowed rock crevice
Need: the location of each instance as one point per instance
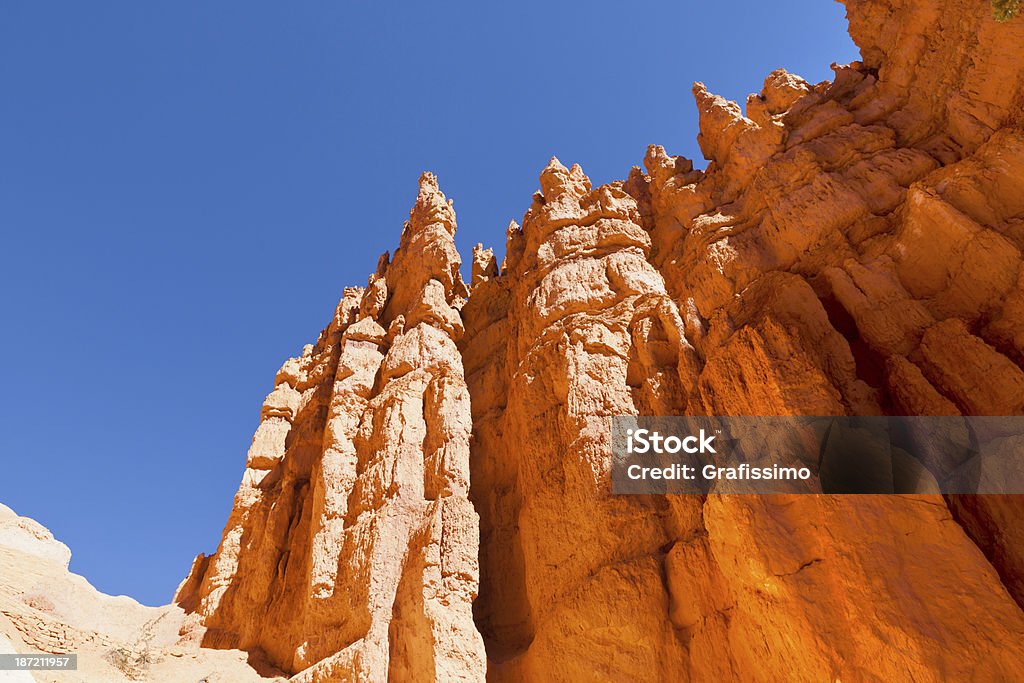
(410, 642)
(992, 522)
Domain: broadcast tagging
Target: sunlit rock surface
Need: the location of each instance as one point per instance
(427, 496)
(853, 247)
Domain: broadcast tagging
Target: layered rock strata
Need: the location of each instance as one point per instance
(853, 247)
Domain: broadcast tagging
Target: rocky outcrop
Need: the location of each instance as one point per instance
(853, 247)
(351, 551)
(29, 537)
(46, 608)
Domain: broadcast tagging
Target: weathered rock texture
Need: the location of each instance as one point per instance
(351, 552)
(46, 608)
(853, 247)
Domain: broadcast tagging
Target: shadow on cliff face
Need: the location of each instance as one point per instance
(993, 523)
(410, 638)
(288, 490)
(259, 662)
(502, 612)
(870, 365)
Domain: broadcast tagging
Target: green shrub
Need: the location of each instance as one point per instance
(1004, 10)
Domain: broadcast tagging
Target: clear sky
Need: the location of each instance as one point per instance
(186, 187)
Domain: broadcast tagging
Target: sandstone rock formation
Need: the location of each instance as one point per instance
(853, 247)
(427, 496)
(351, 552)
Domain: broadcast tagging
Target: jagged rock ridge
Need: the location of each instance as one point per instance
(351, 551)
(853, 247)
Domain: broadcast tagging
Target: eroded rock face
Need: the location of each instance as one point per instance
(853, 247)
(351, 551)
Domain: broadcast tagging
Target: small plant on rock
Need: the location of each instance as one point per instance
(1004, 10)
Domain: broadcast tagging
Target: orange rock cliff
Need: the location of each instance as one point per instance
(427, 496)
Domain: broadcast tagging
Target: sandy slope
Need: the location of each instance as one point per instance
(46, 608)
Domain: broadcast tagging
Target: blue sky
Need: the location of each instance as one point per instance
(185, 188)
